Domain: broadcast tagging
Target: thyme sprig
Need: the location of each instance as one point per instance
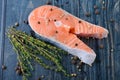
(29, 49)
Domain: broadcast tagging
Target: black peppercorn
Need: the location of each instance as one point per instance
(95, 6)
(111, 20)
(56, 31)
(19, 72)
(79, 21)
(55, 20)
(97, 12)
(74, 62)
(25, 21)
(76, 44)
(88, 14)
(75, 58)
(16, 24)
(51, 9)
(4, 67)
(38, 22)
(101, 46)
(48, 3)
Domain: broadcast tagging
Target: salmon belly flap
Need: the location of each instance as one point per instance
(62, 28)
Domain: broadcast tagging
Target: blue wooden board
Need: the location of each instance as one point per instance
(107, 63)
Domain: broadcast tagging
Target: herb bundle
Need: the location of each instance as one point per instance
(29, 49)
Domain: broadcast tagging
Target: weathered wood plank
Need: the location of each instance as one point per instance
(107, 63)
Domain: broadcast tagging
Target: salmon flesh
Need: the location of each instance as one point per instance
(61, 28)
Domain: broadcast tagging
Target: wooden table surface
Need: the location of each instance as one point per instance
(107, 63)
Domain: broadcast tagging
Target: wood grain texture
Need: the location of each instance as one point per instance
(107, 63)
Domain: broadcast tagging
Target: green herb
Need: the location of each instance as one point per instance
(30, 49)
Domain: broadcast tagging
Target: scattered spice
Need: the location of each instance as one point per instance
(111, 50)
(32, 33)
(101, 46)
(38, 22)
(25, 21)
(56, 31)
(74, 62)
(79, 70)
(48, 20)
(66, 18)
(73, 74)
(16, 24)
(80, 63)
(76, 44)
(16, 68)
(103, 7)
(112, 20)
(55, 20)
(78, 67)
(4, 67)
(103, 2)
(75, 58)
(97, 12)
(42, 76)
(79, 21)
(39, 78)
(19, 72)
(51, 9)
(95, 6)
(87, 14)
(48, 3)
(46, 50)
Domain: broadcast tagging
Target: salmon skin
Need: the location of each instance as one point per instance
(61, 28)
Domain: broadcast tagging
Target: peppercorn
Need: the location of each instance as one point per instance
(79, 21)
(55, 20)
(103, 8)
(39, 78)
(112, 20)
(74, 62)
(111, 50)
(97, 12)
(51, 9)
(73, 74)
(101, 46)
(16, 24)
(76, 44)
(42, 76)
(88, 14)
(16, 68)
(19, 72)
(75, 58)
(56, 31)
(78, 67)
(4, 67)
(66, 18)
(79, 70)
(26, 22)
(38, 22)
(80, 63)
(103, 2)
(48, 3)
(95, 6)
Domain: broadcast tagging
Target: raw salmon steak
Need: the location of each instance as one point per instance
(61, 28)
